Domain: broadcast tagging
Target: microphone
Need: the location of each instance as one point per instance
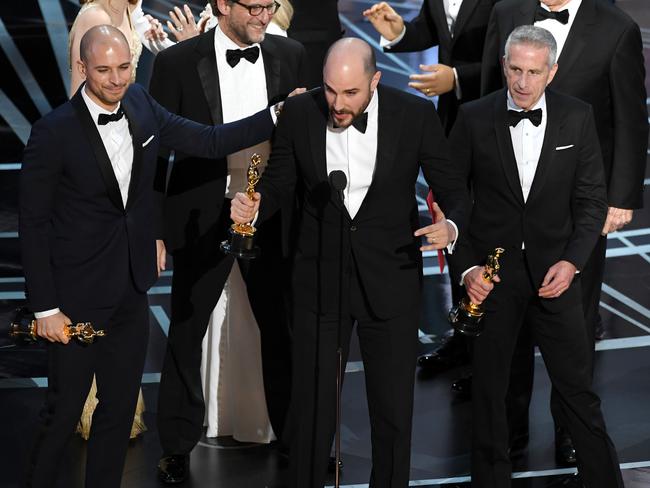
(338, 181)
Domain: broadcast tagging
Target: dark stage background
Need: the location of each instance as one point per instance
(34, 79)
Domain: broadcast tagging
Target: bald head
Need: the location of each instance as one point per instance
(351, 54)
(350, 78)
(101, 38)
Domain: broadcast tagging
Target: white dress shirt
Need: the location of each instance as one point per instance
(119, 147)
(243, 93)
(452, 7)
(559, 30)
(355, 154)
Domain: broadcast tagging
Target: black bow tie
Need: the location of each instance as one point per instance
(233, 56)
(104, 119)
(542, 14)
(361, 122)
(535, 116)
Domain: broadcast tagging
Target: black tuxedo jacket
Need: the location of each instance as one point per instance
(601, 64)
(185, 81)
(380, 237)
(566, 207)
(463, 50)
(79, 243)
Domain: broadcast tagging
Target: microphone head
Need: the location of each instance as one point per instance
(338, 180)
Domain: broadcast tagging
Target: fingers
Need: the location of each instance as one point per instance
(297, 91)
(53, 328)
(437, 235)
(189, 16)
(437, 212)
(554, 283)
(243, 209)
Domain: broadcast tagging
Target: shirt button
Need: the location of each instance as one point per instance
(353, 228)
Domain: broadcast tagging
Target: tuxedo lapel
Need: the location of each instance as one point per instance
(440, 18)
(206, 67)
(317, 135)
(551, 134)
(389, 123)
(525, 14)
(101, 157)
(271, 71)
(504, 142)
(576, 40)
(464, 14)
(137, 139)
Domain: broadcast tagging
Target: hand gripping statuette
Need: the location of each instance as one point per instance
(467, 317)
(23, 327)
(241, 243)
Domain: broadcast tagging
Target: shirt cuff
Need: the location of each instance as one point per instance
(462, 277)
(274, 116)
(46, 313)
(459, 92)
(452, 245)
(386, 44)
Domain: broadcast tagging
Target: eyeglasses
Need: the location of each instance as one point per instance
(255, 10)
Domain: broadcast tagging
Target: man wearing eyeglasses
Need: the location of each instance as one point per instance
(222, 75)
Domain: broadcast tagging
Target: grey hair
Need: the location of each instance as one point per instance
(534, 36)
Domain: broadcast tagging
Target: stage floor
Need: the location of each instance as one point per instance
(32, 83)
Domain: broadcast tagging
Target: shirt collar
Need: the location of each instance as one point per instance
(572, 7)
(95, 109)
(222, 42)
(541, 103)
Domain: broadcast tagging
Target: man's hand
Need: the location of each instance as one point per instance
(385, 20)
(52, 327)
(161, 256)
(557, 279)
(477, 288)
(617, 218)
(297, 91)
(438, 235)
(243, 209)
(438, 79)
(183, 27)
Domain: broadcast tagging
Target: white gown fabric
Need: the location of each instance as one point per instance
(231, 368)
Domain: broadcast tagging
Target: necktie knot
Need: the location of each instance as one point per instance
(104, 119)
(542, 14)
(361, 122)
(233, 56)
(535, 117)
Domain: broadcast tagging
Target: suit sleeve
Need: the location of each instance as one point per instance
(421, 32)
(491, 78)
(278, 182)
(627, 79)
(589, 196)
(211, 141)
(461, 150)
(39, 177)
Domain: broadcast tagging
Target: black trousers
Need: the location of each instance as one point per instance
(200, 272)
(521, 381)
(389, 350)
(117, 361)
(562, 340)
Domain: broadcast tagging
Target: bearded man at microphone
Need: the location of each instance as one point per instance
(356, 259)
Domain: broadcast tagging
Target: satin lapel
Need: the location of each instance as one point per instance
(206, 67)
(390, 122)
(576, 40)
(137, 138)
(103, 161)
(271, 72)
(504, 142)
(464, 14)
(551, 134)
(440, 18)
(525, 14)
(317, 135)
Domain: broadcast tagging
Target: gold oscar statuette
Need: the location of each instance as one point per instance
(23, 327)
(467, 317)
(241, 243)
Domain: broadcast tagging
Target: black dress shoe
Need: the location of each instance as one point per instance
(565, 453)
(174, 469)
(331, 463)
(463, 387)
(451, 352)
